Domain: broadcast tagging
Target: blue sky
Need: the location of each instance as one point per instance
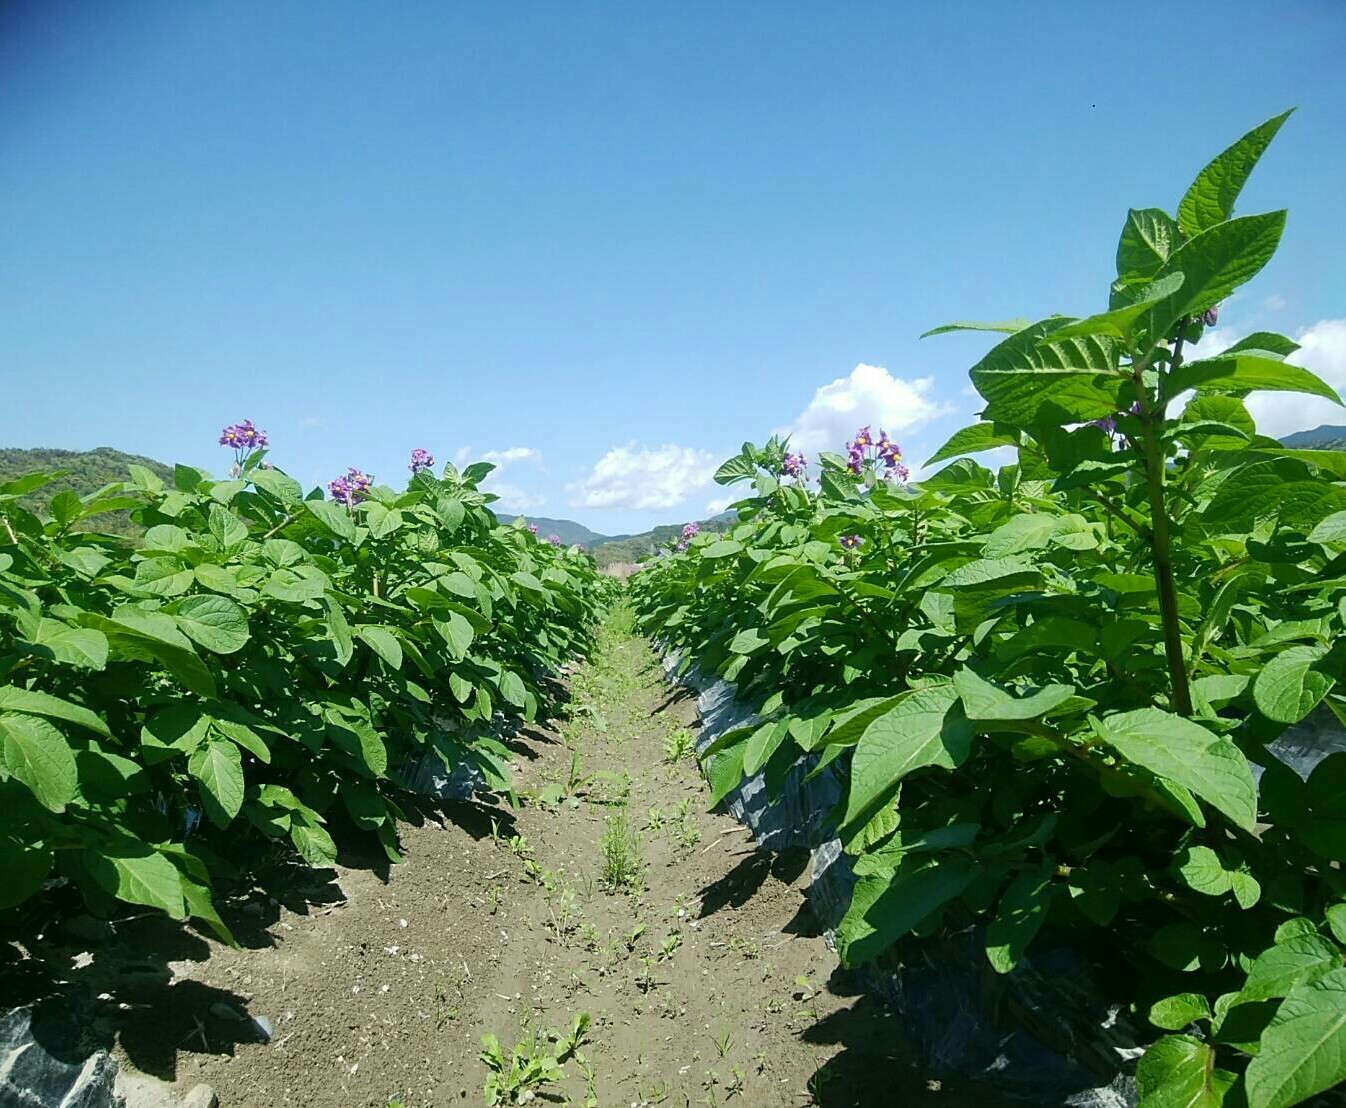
(607, 243)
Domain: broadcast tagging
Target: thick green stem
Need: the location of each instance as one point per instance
(1162, 545)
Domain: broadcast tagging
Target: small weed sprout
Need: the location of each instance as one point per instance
(679, 745)
(621, 855)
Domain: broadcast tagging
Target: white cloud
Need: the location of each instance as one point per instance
(503, 481)
(512, 497)
(503, 458)
(868, 395)
(639, 477)
(310, 422)
(1275, 303)
(719, 504)
(1323, 350)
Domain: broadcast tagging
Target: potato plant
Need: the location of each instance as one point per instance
(1047, 687)
(261, 663)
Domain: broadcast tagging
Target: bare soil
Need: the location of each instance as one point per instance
(706, 980)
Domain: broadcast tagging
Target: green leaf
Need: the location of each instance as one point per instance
(984, 701)
(135, 873)
(283, 487)
(457, 632)
(1022, 911)
(762, 744)
(1215, 263)
(1008, 326)
(1246, 371)
(1173, 1013)
(512, 688)
(163, 577)
(973, 440)
(1148, 238)
(1179, 1071)
(1030, 379)
(73, 646)
(25, 866)
(215, 622)
(723, 548)
(334, 517)
(740, 467)
(926, 728)
(38, 754)
(1202, 871)
(218, 769)
(1119, 322)
(1211, 198)
(1292, 962)
(382, 642)
(30, 702)
(1289, 687)
(1184, 752)
(1303, 1049)
(884, 908)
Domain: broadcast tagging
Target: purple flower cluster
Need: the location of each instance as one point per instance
(689, 532)
(421, 459)
(795, 465)
(864, 450)
(1211, 316)
(532, 528)
(851, 542)
(242, 438)
(351, 488)
(555, 540)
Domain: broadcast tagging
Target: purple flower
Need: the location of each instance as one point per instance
(691, 531)
(682, 545)
(865, 451)
(555, 540)
(421, 459)
(350, 488)
(1107, 424)
(1211, 316)
(532, 528)
(795, 465)
(851, 542)
(243, 438)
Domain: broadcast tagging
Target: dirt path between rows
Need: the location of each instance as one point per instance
(610, 891)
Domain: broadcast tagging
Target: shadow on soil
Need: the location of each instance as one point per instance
(737, 886)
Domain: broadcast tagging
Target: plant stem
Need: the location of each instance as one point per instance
(289, 519)
(1161, 541)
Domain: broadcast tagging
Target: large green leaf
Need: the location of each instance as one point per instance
(382, 642)
(135, 873)
(218, 769)
(1211, 198)
(1290, 686)
(973, 440)
(1294, 961)
(73, 646)
(1031, 379)
(1214, 264)
(1246, 371)
(1119, 322)
(1303, 1050)
(1179, 1071)
(984, 701)
(1185, 753)
(1019, 916)
(38, 755)
(1148, 238)
(334, 517)
(1007, 326)
(33, 703)
(215, 622)
(885, 907)
(926, 728)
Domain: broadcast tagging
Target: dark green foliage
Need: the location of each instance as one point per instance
(1046, 687)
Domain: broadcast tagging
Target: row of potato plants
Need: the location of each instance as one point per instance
(1046, 687)
(260, 666)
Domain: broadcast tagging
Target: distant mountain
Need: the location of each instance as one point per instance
(1325, 437)
(626, 549)
(86, 471)
(570, 532)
